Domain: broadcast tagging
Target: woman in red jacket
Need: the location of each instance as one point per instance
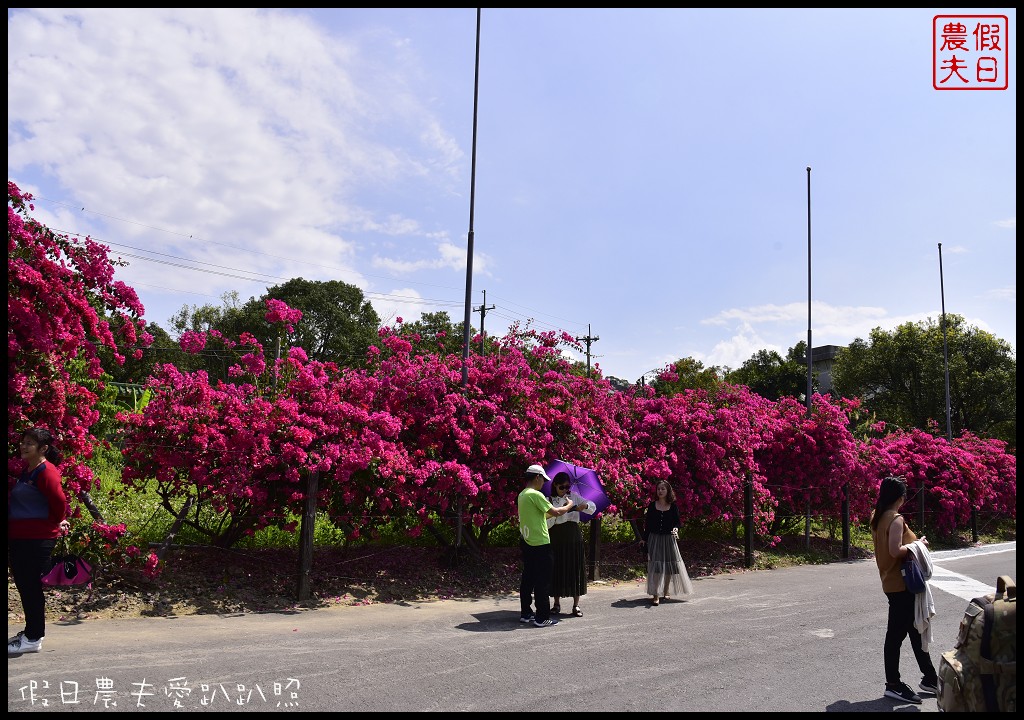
(36, 517)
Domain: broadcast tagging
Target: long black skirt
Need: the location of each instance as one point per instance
(569, 577)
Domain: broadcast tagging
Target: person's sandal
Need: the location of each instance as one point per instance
(654, 602)
(557, 609)
(577, 612)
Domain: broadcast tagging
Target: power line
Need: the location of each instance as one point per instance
(266, 277)
(248, 276)
(229, 245)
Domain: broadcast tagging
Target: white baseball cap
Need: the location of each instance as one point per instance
(537, 470)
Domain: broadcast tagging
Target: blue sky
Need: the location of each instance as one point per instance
(640, 174)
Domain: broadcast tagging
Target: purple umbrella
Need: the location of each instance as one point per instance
(582, 481)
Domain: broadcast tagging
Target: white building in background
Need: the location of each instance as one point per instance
(822, 359)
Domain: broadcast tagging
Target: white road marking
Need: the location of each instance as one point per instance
(960, 585)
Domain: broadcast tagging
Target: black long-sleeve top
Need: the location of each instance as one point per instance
(660, 522)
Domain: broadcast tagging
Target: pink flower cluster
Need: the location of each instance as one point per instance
(279, 312)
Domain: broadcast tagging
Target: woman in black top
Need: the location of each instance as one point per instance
(666, 572)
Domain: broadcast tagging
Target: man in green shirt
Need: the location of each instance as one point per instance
(535, 545)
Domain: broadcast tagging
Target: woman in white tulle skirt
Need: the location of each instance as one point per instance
(666, 571)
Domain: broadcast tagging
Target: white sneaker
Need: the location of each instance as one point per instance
(21, 644)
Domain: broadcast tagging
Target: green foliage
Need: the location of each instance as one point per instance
(325, 534)
(229, 318)
(616, 529)
(505, 535)
(687, 374)
(435, 333)
(141, 512)
(338, 324)
(618, 383)
(901, 376)
(771, 376)
(136, 370)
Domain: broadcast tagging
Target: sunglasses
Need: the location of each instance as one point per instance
(561, 487)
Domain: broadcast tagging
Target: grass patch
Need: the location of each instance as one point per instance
(721, 542)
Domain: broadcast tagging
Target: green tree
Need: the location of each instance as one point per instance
(435, 333)
(687, 374)
(338, 324)
(619, 384)
(231, 318)
(901, 376)
(135, 370)
(771, 376)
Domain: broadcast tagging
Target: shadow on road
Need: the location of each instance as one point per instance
(495, 621)
(504, 621)
(879, 705)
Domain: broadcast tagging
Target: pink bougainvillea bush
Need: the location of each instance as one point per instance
(812, 462)
(61, 298)
(63, 304)
(236, 455)
(955, 476)
(404, 444)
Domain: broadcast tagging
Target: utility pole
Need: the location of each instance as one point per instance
(945, 352)
(810, 346)
(588, 340)
(593, 562)
(469, 236)
(483, 312)
(949, 413)
(469, 260)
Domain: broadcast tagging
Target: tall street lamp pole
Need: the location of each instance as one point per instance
(949, 405)
(810, 359)
(472, 199)
(945, 351)
(469, 259)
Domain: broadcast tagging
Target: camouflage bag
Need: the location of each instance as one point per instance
(980, 673)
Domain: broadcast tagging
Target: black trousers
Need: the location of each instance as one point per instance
(535, 584)
(900, 625)
(28, 559)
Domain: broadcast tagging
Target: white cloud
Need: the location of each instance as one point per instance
(1007, 293)
(1010, 223)
(449, 256)
(734, 351)
(404, 303)
(216, 134)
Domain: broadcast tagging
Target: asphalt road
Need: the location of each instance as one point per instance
(803, 639)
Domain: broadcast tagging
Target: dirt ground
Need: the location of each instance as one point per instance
(217, 581)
